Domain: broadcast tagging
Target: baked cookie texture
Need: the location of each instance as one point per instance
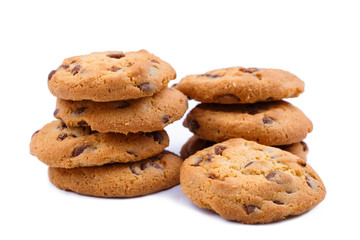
(268, 123)
(146, 114)
(195, 144)
(241, 85)
(121, 179)
(57, 145)
(110, 76)
(250, 183)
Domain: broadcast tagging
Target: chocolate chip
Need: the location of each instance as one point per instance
(218, 150)
(145, 165)
(174, 85)
(250, 209)
(64, 66)
(268, 121)
(248, 164)
(132, 153)
(133, 170)
(147, 87)
(123, 104)
(211, 176)
(72, 135)
(309, 180)
(165, 119)
(198, 161)
(116, 55)
(79, 150)
(35, 133)
(115, 69)
(51, 74)
(305, 147)
(158, 137)
(250, 70)
(211, 75)
(62, 126)
(75, 70)
(81, 123)
(79, 111)
(208, 157)
(56, 112)
(278, 202)
(271, 175)
(62, 136)
(194, 126)
(228, 97)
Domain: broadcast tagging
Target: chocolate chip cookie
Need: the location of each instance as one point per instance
(121, 179)
(146, 114)
(241, 85)
(57, 145)
(268, 123)
(110, 76)
(195, 144)
(250, 183)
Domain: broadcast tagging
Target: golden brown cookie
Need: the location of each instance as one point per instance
(110, 76)
(268, 123)
(121, 179)
(57, 145)
(195, 144)
(250, 183)
(241, 85)
(146, 114)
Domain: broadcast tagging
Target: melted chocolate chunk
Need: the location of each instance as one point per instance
(35, 133)
(211, 75)
(81, 123)
(194, 126)
(250, 209)
(56, 112)
(250, 70)
(198, 161)
(64, 66)
(278, 202)
(133, 170)
(132, 153)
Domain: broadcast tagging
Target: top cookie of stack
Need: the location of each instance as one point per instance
(246, 103)
(116, 92)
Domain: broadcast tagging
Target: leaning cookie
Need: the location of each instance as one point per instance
(121, 179)
(57, 145)
(195, 144)
(241, 85)
(140, 115)
(250, 183)
(110, 76)
(268, 123)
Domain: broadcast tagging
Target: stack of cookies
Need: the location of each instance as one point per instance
(109, 140)
(236, 175)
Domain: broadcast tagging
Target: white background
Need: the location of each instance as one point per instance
(316, 40)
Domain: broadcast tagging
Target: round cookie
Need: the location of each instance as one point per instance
(241, 85)
(195, 144)
(250, 183)
(110, 76)
(121, 179)
(57, 145)
(146, 114)
(268, 123)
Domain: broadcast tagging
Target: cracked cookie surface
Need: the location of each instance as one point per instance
(146, 114)
(110, 76)
(250, 183)
(147, 176)
(241, 85)
(195, 144)
(268, 123)
(57, 145)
